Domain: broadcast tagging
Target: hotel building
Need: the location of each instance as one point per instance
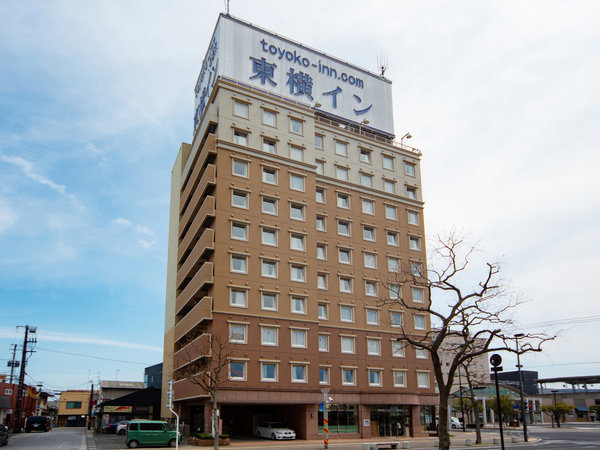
(293, 214)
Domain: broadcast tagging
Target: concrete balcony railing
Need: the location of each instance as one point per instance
(201, 279)
(196, 349)
(206, 210)
(209, 178)
(203, 245)
(208, 149)
(199, 313)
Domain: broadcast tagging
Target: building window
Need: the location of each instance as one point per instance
(296, 182)
(239, 264)
(371, 288)
(240, 138)
(409, 169)
(394, 291)
(296, 126)
(298, 338)
(73, 405)
(269, 118)
(322, 252)
(341, 173)
(269, 268)
(323, 311)
(348, 344)
(269, 236)
(399, 378)
(320, 167)
(239, 231)
(396, 318)
(268, 301)
(423, 379)
(296, 211)
(414, 243)
(237, 333)
(323, 343)
(323, 375)
(319, 141)
(240, 109)
(419, 322)
(322, 281)
(343, 201)
(368, 233)
(365, 155)
(392, 238)
(296, 153)
(393, 264)
(343, 228)
(237, 297)
(237, 370)
(344, 256)
(374, 347)
(411, 192)
(366, 180)
(398, 349)
(388, 162)
(269, 205)
(370, 260)
(269, 146)
(341, 148)
(389, 186)
(420, 353)
(297, 242)
(368, 207)
(269, 175)
(320, 195)
(240, 168)
(239, 199)
(391, 212)
(413, 218)
(320, 225)
(372, 316)
(374, 377)
(348, 377)
(417, 295)
(346, 313)
(299, 373)
(268, 371)
(298, 305)
(346, 285)
(297, 273)
(416, 268)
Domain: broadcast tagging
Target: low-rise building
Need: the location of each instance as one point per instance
(74, 408)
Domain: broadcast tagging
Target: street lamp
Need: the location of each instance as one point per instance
(363, 122)
(523, 417)
(406, 136)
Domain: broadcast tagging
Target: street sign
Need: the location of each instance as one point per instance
(321, 407)
(516, 406)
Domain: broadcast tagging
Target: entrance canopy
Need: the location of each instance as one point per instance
(587, 379)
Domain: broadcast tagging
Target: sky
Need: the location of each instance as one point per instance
(96, 97)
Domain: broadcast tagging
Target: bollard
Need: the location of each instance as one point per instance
(514, 439)
(366, 447)
(468, 442)
(496, 440)
(436, 443)
(406, 445)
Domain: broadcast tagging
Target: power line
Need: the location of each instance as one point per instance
(558, 322)
(567, 364)
(94, 357)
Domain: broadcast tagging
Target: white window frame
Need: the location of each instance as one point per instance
(366, 179)
(376, 351)
(341, 148)
(389, 209)
(420, 353)
(244, 370)
(420, 383)
(410, 169)
(323, 307)
(387, 162)
(412, 215)
(269, 201)
(395, 380)
(320, 224)
(346, 308)
(370, 260)
(395, 291)
(238, 163)
(298, 267)
(396, 324)
(377, 372)
(367, 229)
(240, 137)
(262, 373)
(368, 206)
(324, 247)
(239, 226)
(269, 171)
(372, 320)
(393, 264)
(414, 243)
(243, 260)
(294, 335)
(267, 263)
(297, 242)
(323, 339)
(268, 231)
(341, 173)
(394, 238)
(320, 195)
(245, 109)
(341, 224)
(348, 345)
(349, 371)
(305, 372)
(297, 182)
(343, 200)
(368, 155)
(389, 186)
(301, 300)
(262, 301)
(342, 284)
(238, 290)
(422, 294)
(398, 349)
(421, 317)
(240, 195)
(344, 255)
(326, 371)
(269, 113)
(298, 207)
(269, 146)
(296, 153)
(244, 329)
(263, 330)
(300, 123)
(368, 291)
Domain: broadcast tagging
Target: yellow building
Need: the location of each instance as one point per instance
(74, 408)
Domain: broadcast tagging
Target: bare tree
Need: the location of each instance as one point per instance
(466, 321)
(472, 380)
(208, 356)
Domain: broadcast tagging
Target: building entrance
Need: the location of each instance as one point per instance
(390, 420)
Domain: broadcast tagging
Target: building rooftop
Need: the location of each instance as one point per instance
(110, 384)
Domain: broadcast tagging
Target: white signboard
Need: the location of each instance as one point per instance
(275, 64)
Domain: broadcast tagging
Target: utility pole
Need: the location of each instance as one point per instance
(13, 363)
(91, 406)
(519, 366)
(19, 405)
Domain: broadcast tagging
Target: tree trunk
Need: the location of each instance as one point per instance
(443, 422)
(475, 408)
(215, 421)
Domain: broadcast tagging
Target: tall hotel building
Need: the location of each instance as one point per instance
(293, 213)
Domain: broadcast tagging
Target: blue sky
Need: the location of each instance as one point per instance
(95, 98)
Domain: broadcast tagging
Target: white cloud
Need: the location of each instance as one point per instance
(138, 230)
(8, 217)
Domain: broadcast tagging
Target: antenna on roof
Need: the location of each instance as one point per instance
(382, 63)
(227, 7)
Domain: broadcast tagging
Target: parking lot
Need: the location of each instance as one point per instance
(105, 441)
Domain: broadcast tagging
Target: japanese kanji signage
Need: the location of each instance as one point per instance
(259, 58)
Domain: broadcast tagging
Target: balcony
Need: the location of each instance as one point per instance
(206, 210)
(195, 259)
(202, 311)
(209, 178)
(201, 279)
(208, 149)
(198, 348)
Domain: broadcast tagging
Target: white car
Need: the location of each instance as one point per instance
(455, 423)
(274, 430)
(122, 428)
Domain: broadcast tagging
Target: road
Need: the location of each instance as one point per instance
(57, 438)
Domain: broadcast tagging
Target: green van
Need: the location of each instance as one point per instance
(150, 432)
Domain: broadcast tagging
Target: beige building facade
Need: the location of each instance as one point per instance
(288, 228)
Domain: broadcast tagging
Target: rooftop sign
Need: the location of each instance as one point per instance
(275, 64)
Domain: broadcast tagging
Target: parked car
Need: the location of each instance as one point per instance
(150, 432)
(3, 435)
(274, 430)
(122, 427)
(38, 423)
(111, 427)
(455, 423)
